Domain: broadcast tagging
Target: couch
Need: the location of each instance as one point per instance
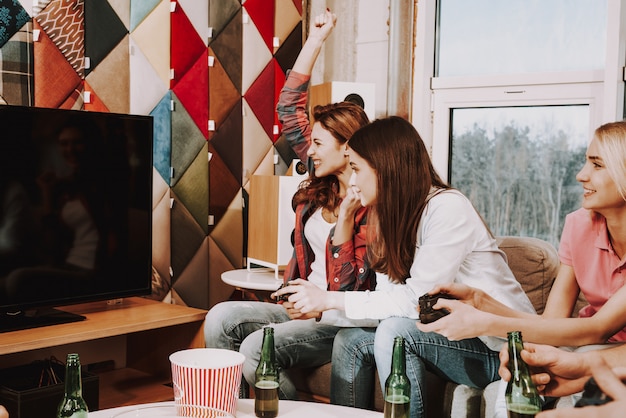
(534, 263)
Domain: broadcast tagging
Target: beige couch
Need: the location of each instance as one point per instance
(534, 263)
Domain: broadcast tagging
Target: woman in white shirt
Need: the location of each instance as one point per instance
(423, 234)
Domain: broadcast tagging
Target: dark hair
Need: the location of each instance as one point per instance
(405, 176)
(341, 120)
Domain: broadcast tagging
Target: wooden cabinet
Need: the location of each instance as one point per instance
(133, 338)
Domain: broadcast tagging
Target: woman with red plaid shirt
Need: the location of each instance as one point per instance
(330, 222)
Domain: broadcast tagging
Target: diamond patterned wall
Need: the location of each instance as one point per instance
(208, 71)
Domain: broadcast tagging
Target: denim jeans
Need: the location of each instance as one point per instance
(227, 324)
(238, 326)
(469, 362)
(353, 369)
(297, 343)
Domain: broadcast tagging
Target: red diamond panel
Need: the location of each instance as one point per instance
(186, 45)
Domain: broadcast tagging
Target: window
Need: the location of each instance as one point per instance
(507, 95)
(481, 37)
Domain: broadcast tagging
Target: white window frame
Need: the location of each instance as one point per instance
(434, 97)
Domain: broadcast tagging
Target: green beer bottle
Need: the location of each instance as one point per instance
(72, 405)
(397, 386)
(266, 379)
(522, 397)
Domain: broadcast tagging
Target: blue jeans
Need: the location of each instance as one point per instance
(227, 324)
(353, 369)
(469, 362)
(238, 326)
(297, 343)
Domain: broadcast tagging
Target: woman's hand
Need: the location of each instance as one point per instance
(350, 204)
(463, 321)
(610, 381)
(322, 25)
(297, 313)
(309, 299)
(555, 372)
(462, 292)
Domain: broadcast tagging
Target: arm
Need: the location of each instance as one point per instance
(346, 260)
(449, 235)
(596, 329)
(344, 228)
(292, 103)
(493, 318)
(560, 304)
(478, 299)
(320, 30)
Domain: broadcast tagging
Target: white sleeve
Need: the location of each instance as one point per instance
(450, 227)
(340, 319)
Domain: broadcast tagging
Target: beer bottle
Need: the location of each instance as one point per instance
(72, 405)
(397, 386)
(522, 397)
(266, 379)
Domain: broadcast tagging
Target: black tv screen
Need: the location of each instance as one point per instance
(75, 210)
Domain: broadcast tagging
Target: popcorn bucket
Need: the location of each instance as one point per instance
(206, 378)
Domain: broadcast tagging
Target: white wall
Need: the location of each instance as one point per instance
(357, 50)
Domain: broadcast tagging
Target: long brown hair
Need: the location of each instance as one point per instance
(404, 178)
(341, 120)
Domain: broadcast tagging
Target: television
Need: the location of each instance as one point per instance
(75, 211)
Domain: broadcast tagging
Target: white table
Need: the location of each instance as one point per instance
(245, 409)
(253, 279)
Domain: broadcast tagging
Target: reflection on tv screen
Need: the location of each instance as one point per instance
(75, 214)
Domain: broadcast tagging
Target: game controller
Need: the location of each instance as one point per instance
(426, 303)
(284, 297)
(592, 395)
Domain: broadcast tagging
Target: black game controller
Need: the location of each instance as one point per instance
(426, 303)
(284, 297)
(592, 395)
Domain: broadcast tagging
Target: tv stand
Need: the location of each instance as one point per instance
(133, 339)
(13, 321)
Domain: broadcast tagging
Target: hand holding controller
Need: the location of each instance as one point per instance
(426, 303)
(283, 297)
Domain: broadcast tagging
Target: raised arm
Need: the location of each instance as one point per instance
(292, 103)
(321, 28)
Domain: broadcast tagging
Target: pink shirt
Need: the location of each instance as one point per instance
(599, 272)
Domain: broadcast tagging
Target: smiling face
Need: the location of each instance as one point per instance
(327, 153)
(600, 192)
(364, 179)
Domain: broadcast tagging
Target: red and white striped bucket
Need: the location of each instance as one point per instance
(206, 377)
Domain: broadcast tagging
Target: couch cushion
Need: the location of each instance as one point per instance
(534, 263)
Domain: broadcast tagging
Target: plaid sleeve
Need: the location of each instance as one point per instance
(292, 114)
(347, 267)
